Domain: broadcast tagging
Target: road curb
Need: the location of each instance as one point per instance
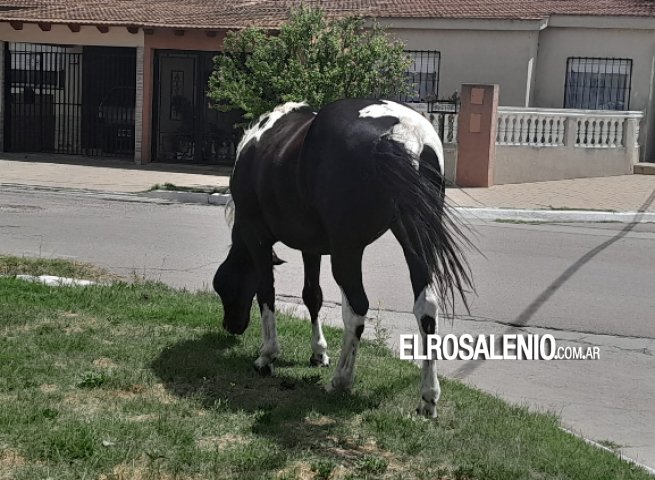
(619, 454)
(189, 197)
(486, 214)
(559, 216)
(466, 213)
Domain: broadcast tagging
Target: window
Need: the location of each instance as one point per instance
(423, 76)
(598, 83)
(35, 65)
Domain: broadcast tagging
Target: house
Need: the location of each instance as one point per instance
(128, 78)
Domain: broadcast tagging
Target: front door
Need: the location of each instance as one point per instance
(187, 129)
(176, 125)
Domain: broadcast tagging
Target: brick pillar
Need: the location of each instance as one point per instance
(143, 112)
(2, 96)
(476, 143)
(138, 110)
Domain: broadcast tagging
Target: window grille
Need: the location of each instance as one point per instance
(423, 76)
(598, 83)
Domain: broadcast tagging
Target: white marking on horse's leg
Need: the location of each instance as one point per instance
(344, 376)
(270, 348)
(426, 312)
(319, 346)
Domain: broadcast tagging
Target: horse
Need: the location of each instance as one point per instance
(330, 182)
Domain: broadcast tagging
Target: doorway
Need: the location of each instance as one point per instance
(69, 99)
(186, 128)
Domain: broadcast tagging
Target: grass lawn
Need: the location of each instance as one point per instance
(139, 381)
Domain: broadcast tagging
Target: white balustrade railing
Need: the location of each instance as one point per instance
(549, 127)
(599, 132)
(530, 128)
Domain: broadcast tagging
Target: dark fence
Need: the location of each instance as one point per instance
(64, 99)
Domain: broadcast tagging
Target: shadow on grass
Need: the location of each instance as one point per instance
(215, 371)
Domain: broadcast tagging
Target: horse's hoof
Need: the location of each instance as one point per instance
(319, 360)
(339, 385)
(427, 409)
(264, 369)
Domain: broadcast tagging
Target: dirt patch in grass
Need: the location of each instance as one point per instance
(298, 470)
(67, 322)
(11, 266)
(104, 362)
(223, 442)
(85, 403)
(141, 418)
(142, 468)
(319, 421)
(10, 460)
(49, 388)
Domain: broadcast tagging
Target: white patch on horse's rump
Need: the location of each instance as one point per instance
(413, 130)
(266, 122)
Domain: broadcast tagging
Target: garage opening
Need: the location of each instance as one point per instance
(70, 99)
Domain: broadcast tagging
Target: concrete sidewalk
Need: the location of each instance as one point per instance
(627, 193)
(105, 174)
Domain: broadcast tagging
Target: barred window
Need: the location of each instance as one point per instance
(35, 65)
(423, 76)
(598, 83)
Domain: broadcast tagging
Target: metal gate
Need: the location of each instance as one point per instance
(69, 99)
(186, 128)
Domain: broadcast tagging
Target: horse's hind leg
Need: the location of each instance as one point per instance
(425, 311)
(347, 271)
(312, 295)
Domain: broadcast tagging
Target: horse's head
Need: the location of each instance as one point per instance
(236, 283)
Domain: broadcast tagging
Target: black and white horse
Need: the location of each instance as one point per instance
(330, 183)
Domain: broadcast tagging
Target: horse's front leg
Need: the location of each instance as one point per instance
(312, 295)
(261, 252)
(270, 348)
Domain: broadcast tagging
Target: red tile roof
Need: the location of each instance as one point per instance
(270, 13)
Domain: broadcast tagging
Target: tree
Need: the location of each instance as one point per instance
(310, 59)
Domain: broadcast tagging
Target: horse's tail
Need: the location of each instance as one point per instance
(434, 233)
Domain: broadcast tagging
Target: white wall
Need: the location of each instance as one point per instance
(557, 44)
(482, 56)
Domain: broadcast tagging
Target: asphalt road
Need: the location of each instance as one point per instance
(588, 284)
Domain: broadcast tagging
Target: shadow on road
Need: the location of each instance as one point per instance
(526, 315)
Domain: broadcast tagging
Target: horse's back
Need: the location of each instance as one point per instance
(340, 168)
(316, 181)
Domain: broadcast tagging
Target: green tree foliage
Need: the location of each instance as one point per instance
(310, 59)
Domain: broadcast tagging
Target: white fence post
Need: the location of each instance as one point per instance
(631, 140)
